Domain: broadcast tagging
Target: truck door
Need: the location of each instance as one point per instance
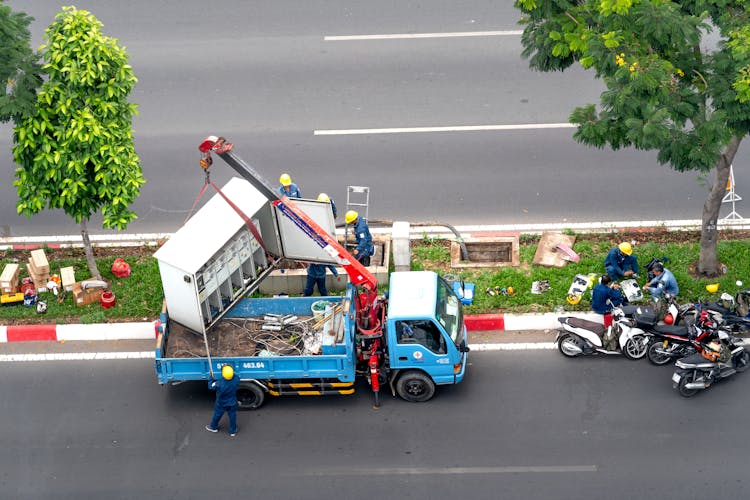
(422, 344)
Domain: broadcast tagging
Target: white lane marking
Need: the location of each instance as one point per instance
(409, 471)
(513, 346)
(459, 128)
(75, 356)
(407, 36)
(97, 356)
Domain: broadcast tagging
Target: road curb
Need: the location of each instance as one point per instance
(62, 333)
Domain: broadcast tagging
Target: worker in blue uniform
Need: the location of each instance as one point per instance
(605, 296)
(620, 262)
(363, 238)
(328, 199)
(288, 188)
(316, 275)
(226, 399)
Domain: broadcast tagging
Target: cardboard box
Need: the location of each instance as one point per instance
(39, 260)
(40, 281)
(68, 277)
(9, 278)
(88, 296)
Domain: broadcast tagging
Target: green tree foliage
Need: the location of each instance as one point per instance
(19, 66)
(677, 78)
(76, 153)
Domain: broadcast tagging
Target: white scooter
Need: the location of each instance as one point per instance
(580, 337)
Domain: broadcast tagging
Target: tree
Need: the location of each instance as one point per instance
(77, 152)
(20, 72)
(669, 86)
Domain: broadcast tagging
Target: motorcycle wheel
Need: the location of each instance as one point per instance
(655, 356)
(566, 342)
(684, 391)
(635, 348)
(742, 361)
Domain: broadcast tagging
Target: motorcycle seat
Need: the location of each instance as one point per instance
(597, 328)
(645, 318)
(678, 330)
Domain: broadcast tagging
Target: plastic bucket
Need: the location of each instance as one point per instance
(108, 300)
(318, 308)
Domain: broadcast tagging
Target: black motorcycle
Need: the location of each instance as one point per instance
(719, 360)
(670, 342)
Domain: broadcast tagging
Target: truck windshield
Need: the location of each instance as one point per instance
(448, 311)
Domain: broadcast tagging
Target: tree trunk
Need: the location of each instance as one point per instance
(89, 251)
(708, 263)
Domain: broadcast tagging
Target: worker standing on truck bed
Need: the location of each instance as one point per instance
(288, 188)
(226, 399)
(362, 235)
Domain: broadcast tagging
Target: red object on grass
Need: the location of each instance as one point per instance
(120, 268)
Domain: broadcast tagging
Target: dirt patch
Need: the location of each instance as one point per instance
(232, 338)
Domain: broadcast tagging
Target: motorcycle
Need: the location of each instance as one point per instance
(580, 337)
(675, 342)
(731, 312)
(719, 360)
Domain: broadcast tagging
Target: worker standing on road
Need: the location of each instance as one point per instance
(365, 248)
(621, 262)
(226, 399)
(288, 188)
(316, 275)
(326, 198)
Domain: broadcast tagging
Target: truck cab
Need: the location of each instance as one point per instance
(426, 334)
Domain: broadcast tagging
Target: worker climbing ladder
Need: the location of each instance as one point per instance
(731, 196)
(357, 198)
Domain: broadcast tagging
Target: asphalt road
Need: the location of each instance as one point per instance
(265, 76)
(524, 424)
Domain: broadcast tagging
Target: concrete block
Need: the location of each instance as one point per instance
(401, 245)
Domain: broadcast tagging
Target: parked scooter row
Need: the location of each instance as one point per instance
(641, 332)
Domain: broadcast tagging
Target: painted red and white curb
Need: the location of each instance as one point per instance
(97, 331)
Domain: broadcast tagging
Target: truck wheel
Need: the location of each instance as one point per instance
(250, 397)
(415, 387)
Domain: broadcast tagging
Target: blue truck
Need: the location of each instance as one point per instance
(411, 339)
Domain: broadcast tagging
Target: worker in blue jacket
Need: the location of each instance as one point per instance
(605, 296)
(621, 262)
(363, 238)
(328, 199)
(663, 282)
(226, 399)
(316, 275)
(288, 188)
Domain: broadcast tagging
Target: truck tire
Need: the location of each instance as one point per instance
(415, 387)
(250, 397)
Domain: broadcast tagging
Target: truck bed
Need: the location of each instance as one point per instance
(308, 347)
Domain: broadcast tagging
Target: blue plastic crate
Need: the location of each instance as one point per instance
(467, 297)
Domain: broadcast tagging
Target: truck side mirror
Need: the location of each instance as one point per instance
(463, 347)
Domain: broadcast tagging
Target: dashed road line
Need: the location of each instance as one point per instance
(411, 36)
(423, 471)
(457, 128)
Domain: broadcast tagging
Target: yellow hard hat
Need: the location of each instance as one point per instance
(712, 288)
(510, 290)
(227, 372)
(573, 298)
(323, 197)
(350, 216)
(625, 248)
(285, 180)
